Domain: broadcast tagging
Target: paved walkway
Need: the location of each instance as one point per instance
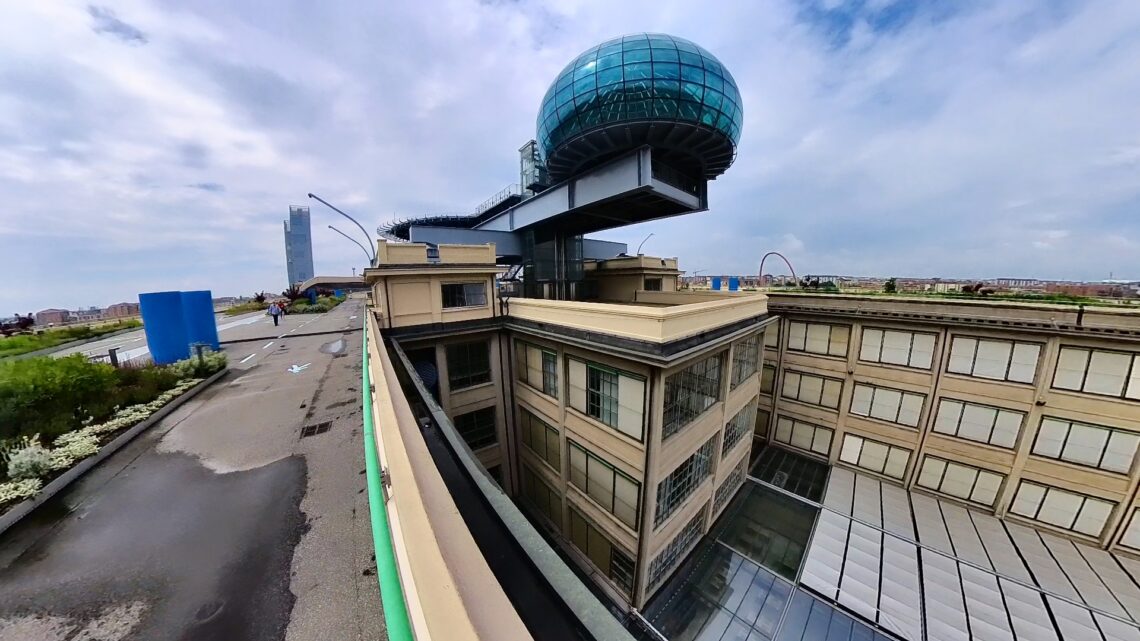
(222, 522)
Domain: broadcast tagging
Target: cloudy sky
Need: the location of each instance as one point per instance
(157, 144)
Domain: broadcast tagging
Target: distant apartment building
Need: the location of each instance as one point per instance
(87, 315)
(52, 317)
(298, 245)
(121, 310)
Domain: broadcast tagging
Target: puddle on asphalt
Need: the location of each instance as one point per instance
(335, 347)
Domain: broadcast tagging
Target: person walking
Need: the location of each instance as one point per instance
(275, 312)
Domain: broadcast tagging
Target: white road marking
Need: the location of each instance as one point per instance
(294, 329)
(281, 336)
(267, 345)
(297, 369)
(246, 358)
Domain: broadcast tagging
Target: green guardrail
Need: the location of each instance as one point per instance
(388, 575)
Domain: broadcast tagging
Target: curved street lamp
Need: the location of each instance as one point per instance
(372, 254)
(638, 252)
(366, 254)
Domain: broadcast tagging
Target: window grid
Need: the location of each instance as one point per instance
(669, 557)
(743, 423)
(531, 373)
(468, 364)
(602, 394)
(982, 485)
(1131, 536)
(904, 412)
(478, 428)
(1128, 386)
(541, 496)
(602, 552)
(873, 347)
(812, 389)
(763, 417)
(768, 378)
(772, 336)
(801, 339)
(1002, 429)
(804, 436)
(615, 491)
(691, 391)
(876, 456)
(550, 374)
(729, 486)
(652, 284)
(963, 347)
(542, 439)
(745, 359)
(1114, 454)
(682, 481)
(464, 294)
(1038, 502)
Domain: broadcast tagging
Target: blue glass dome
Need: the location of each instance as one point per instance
(643, 89)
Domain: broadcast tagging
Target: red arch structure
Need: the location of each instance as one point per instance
(787, 262)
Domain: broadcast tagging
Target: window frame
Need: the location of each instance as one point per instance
(675, 488)
(676, 415)
(891, 448)
(830, 338)
(586, 364)
(571, 445)
(815, 431)
(549, 387)
(737, 375)
(528, 425)
(898, 411)
(747, 415)
(595, 397)
(451, 377)
(997, 414)
(675, 550)
(1013, 344)
(823, 384)
(1129, 373)
(978, 471)
(614, 548)
(1085, 498)
(536, 479)
(910, 349)
(1068, 432)
(660, 281)
(494, 427)
(463, 293)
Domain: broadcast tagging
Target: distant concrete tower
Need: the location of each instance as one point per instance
(298, 245)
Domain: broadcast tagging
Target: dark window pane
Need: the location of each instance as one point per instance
(664, 108)
(468, 364)
(638, 109)
(692, 74)
(666, 89)
(709, 116)
(690, 111)
(477, 428)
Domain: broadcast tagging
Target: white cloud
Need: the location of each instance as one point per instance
(878, 139)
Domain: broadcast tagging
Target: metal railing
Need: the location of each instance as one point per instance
(507, 192)
(387, 574)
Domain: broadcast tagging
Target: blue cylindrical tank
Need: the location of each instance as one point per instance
(198, 315)
(733, 284)
(165, 326)
(716, 283)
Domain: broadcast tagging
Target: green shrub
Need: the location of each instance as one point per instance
(19, 490)
(210, 363)
(73, 449)
(32, 462)
(142, 384)
(53, 395)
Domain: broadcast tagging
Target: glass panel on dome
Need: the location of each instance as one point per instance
(609, 60)
(637, 109)
(723, 122)
(583, 85)
(664, 108)
(637, 89)
(693, 59)
(586, 100)
(690, 111)
(713, 81)
(609, 76)
(665, 55)
(686, 46)
(638, 70)
(709, 116)
(713, 98)
(666, 89)
(636, 55)
(692, 90)
(666, 70)
(713, 66)
(564, 80)
(638, 42)
(564, 96)
(692, 74)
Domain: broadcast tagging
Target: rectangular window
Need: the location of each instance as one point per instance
(768, 379)
(541, 496)
(478, 428)
(729, 486)
(812, 389)
(652, 284)
(468, 364)
(1092, 445)
(743, 423)
(1061, 508)
(805, 436)
(772, 336)
(541, 438)
(668, 558)
(615, 491)
(613, 397)
(818, 338)
(537, 368)
(981, 423)
(1131, 537)
(889, 460)
(691, 391)
(1098, 372)
(607, 557)
(464, 294)
(682, 481)
(745, 360)
(965, 482)
(763, 417)
(886, 404)
(893, 347)
(994, 359)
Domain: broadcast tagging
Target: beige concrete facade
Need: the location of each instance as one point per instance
(956, 383)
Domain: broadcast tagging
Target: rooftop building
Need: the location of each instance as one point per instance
(575, 448)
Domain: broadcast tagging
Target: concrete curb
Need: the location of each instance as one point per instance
(62, 346)
(23, 509)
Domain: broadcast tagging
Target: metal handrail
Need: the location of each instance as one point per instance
(387, 574)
